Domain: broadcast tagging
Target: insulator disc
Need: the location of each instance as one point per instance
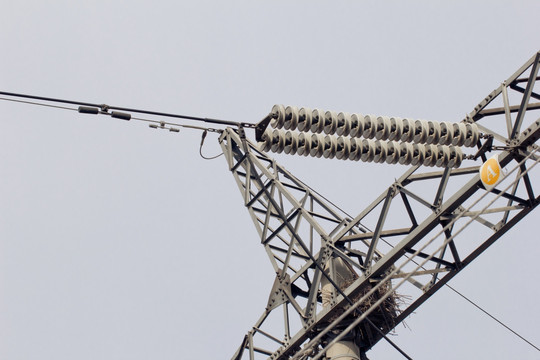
(460, 134)
(357, 125)
(343, 124)
(471, 138)
(419, 154)
(382, 128)
(434, 132)
(317, 145)
(443, 155)
(304, 119)
(278, 116)
(343, 148)
(291, 143)
(291, 118)
(368, 150)
(369, 126)
(330, 122)
(456, 157)
(278, 141)
(431, 155)
(459, 158)
(304, 144)
(392, 152)
(420, 131)
(381, 151)
(317, 121)
(356, 149)
(396, 129)
(330, 143)
(405, 153)
(408, 131)
(266, 143)
(447, 133)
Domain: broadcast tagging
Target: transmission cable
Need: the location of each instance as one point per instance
(205, 132)
(39, 104)
(104, 108)
(493, 317)
(155, 124)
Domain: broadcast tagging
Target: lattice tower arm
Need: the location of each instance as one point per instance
(307, 238)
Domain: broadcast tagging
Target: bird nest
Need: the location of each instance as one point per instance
(382, 319)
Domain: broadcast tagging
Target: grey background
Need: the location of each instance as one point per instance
(120, 242)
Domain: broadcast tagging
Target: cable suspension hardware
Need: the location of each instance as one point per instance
(385, 139)
(367, 150)
(370, 126)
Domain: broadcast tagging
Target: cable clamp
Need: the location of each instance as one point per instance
(88, 110)
(162, 125)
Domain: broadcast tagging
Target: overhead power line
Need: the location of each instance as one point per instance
(88, 108)
(39, 104)
(493, 317)
(84, 107)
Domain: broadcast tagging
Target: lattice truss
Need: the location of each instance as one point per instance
(404, 246)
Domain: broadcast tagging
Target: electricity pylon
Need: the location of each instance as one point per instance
(343, 283)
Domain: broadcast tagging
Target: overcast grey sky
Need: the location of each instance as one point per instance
(121, 242)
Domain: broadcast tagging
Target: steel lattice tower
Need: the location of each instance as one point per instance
(335, 275)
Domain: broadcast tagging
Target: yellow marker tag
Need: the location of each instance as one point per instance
(490, 172)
